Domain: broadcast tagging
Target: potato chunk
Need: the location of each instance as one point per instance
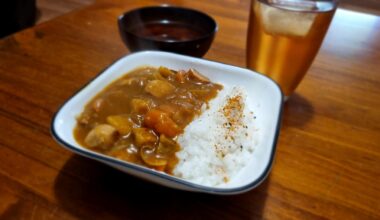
(102, 136)
(122, 123)
(165, 72)
(159, 88)
(144, 136)
(140, 106)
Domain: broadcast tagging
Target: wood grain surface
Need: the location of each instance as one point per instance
(327, 163)
(49, 9)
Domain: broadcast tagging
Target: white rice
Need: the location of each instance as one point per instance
(220, 142)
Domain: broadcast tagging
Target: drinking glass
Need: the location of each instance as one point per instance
(284, 36)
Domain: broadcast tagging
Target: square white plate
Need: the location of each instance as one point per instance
(265, 99)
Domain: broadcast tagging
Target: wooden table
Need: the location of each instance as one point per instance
(328, 157)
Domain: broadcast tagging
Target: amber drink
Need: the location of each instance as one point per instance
(284, 36)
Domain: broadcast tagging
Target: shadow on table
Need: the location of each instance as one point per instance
(89, 189)
(297, 111)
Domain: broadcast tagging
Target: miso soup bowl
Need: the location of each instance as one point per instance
(266, 101)
(173, 31)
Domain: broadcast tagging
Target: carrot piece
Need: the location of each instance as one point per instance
(161, 123)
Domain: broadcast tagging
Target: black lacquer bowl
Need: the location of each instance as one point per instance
(166, 28)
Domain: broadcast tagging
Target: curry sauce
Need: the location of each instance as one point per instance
(138, 117)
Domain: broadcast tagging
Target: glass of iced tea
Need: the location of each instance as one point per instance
(284, 36)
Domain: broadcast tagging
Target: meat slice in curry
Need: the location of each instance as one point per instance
(138, 117)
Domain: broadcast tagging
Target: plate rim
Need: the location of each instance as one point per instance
(186, 183)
